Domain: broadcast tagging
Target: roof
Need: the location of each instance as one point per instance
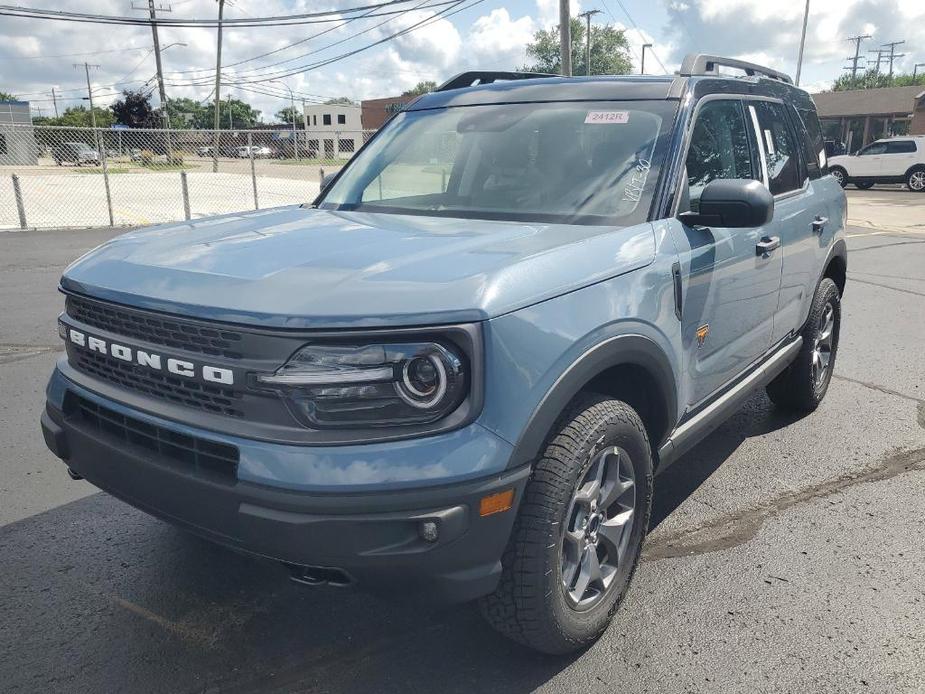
(868, 102)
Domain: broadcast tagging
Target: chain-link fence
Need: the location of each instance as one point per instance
(54, 177)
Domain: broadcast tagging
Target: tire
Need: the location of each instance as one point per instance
(916, 180)
(864, 186)
(803, 384)
(840, 175)
(532, 604)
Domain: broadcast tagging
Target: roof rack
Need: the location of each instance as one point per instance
(703, 64)
(470, 79)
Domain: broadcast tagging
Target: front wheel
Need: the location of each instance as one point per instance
(840, 175)
(803, 384)
(579, 530)
(916, 180)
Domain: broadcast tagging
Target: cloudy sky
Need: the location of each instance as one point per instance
(37, 55)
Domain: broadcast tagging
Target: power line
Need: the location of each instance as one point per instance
(72, 55)
(278, 20)
(641, 37)
(893, 55)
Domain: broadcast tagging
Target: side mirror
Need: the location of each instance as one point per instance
(732, 203)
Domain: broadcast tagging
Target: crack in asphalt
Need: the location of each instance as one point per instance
(738, 528)
(886, 286)
(881, 389)
(10, 353)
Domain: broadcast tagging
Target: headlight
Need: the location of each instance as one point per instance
(371, 385)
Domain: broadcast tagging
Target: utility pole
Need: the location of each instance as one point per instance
(915, 70)
(55, 101)
(642, 64)
(893, 54)
(587, 15)
(152, 13)
(879, 53)
(86, 67)
(565, 39)
(802, 43)
(857, 53)
(218, 85)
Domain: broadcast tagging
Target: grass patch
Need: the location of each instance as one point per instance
(308, 162)
(135, 169)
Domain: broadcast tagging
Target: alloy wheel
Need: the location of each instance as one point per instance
(837, 174)
(917, 181)
(823, 345)
(598, 527)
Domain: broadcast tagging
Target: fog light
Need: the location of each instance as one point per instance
(496, 503)
(428, 531)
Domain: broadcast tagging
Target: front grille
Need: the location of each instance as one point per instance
(188, 392)
(188, 452)
(155, 328)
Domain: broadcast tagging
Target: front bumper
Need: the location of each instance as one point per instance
(372, 536)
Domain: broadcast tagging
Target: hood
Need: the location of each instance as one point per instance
(301, 267)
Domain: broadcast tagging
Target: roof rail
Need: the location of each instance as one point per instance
(703, 64)
(470, 79)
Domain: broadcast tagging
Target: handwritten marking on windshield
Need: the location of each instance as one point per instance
(633, 190)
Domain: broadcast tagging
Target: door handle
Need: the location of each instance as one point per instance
(819, 224)
(766, 245)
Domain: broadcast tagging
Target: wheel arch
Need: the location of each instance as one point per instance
(632, 368)
(836, 265)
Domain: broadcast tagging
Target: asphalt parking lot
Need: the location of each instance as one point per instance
(785, 553)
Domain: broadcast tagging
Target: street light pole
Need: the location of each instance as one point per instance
(642, 66)
(218, 85)
(292, 112)
(802, 43)
(587, 15)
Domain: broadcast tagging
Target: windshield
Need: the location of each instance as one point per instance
(573, 162)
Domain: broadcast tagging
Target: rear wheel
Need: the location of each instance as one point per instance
(840, 175)
(579, 531)
(916, 180)
(864, 186)
(803, 384)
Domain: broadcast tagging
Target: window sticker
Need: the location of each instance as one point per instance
(607, 117)
(769, 139)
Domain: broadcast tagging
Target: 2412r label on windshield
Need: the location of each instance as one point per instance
(607, 117)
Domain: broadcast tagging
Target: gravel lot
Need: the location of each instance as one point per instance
(785, 553)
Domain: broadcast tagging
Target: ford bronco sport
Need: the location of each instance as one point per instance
(454, 374)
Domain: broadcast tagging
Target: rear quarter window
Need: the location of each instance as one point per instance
(813, 143)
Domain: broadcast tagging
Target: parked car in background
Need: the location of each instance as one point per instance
(892, 160)
(258, 152)
(78, 153)
(204, 151)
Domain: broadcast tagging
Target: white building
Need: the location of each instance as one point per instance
(332, 130)
(17, 137)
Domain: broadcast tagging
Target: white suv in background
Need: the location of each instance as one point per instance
(894, 160)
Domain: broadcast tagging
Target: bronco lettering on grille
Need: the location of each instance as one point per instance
(178, 367)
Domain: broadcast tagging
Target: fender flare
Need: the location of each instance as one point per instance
(625, 349)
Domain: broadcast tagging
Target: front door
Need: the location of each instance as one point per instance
(868, 161)
(732, 290)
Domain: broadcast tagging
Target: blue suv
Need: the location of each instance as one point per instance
(454, 375)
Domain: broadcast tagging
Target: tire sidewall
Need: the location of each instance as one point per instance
(576, 625)
(826, 293)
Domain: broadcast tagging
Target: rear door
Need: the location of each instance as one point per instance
(898, 157)
(731, 293)
(800, 208)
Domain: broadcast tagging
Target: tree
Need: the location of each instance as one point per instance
(288, 115)
(345, 100)
(871, 79)
(6, 96)
(424, 87)
(184, 113)
(609, 50)
(233, 113)
(79, 117)
(134, 110)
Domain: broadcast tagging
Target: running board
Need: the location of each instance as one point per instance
(685, 436)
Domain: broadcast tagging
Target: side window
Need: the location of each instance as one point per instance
(900, 147)
(719, 147)
(779, 148)
(876, 148)
(813, 144)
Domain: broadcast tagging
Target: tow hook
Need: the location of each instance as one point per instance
(73, 475)
(319, 576)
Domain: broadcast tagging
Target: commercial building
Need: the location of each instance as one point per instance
(17, 138)
(858, 117)
(375, 112)
(331, 130)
